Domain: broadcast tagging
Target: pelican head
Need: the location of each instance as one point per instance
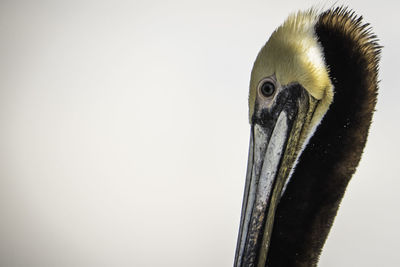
(300, 77)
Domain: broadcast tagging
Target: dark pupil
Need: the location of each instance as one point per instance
(267, 89)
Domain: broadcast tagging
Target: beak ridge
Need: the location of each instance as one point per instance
(265, 154)
(277, 134)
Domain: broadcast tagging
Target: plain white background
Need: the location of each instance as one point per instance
(124, 134)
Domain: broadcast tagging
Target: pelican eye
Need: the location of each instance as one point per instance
(267, 89)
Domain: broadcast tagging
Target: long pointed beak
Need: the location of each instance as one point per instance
(276, 138)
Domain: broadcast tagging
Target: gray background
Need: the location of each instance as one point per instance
(124, 133)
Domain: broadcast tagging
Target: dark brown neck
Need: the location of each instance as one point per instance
(308, 207)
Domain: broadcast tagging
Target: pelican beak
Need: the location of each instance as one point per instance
(277, 135)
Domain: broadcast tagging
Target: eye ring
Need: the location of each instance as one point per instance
(267, 88)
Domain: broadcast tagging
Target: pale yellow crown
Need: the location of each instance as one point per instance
(294, 54)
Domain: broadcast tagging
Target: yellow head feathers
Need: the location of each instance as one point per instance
(293, 54)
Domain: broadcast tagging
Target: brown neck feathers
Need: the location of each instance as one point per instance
(308, 207)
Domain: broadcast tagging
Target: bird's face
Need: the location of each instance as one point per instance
(290, 91)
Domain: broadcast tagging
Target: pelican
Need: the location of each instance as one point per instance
(313, 91)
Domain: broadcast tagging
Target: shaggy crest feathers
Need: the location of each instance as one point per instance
(365, 43)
